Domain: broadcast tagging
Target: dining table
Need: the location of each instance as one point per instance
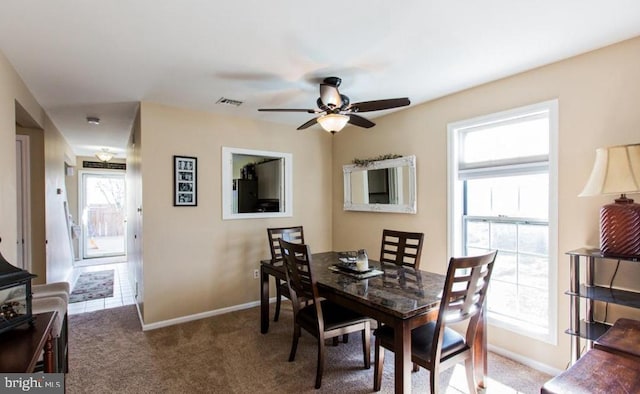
(400, 296)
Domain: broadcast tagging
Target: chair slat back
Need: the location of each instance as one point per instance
(291, 234)
(466, 287)
(297, 262)
(463, 297)
(401, 248)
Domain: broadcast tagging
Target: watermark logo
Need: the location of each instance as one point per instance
(40, 383)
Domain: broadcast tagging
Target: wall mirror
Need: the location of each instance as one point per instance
(381, 186)
(256, 184)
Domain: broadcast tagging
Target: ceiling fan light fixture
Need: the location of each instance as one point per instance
(333, 123)
(104, 155)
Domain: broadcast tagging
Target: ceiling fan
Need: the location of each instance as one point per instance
(336, 110)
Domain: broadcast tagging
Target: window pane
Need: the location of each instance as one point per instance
(504, 236)
(525, 196)
(533, 271)
(502, 296)
(533, 239)
(504, 268)
(478, 234)
(533, 306)
(513, 139)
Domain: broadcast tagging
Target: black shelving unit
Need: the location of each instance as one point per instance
(585, 327)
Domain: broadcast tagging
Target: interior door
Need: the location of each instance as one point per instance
(103, 214)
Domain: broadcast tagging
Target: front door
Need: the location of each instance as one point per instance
(103, 214)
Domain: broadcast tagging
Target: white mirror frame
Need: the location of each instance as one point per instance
(406, 161)
(227, 184)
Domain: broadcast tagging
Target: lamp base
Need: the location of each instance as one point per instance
(620, 229)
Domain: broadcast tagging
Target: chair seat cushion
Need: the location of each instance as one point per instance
(422, 339)
(334, 315)
(56, 289)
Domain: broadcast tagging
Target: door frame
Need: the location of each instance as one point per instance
(81, 205)
(23, 198)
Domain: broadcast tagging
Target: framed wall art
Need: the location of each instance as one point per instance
(185, 181)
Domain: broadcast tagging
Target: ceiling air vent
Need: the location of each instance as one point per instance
(224, 100)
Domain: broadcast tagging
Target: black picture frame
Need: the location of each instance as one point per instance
(185, 181)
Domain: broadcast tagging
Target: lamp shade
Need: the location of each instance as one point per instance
(333, 122)
(615, 171)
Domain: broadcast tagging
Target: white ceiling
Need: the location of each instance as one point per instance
(100, 58)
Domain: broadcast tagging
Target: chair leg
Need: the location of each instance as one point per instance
(294, 343)
(366, 345)
(471, 379)
(276, 315)
(320, 367)
(377, 366)
(416, 368)
(434, 377)
(335, 341)
(345, 338)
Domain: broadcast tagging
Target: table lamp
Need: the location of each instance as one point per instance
(617, 171)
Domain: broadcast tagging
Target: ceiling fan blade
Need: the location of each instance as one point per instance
(309, 111)
(308, 124)
(330, 95)
(377, 105)
(357, 120)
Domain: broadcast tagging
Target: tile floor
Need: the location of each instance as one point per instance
(123, 294)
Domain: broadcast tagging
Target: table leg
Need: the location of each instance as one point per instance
(402, 357)
(48, 355)
(264, 301)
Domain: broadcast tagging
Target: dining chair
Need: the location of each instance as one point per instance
(321, 318)
(401, 247)
(435, 346)
(292, 234)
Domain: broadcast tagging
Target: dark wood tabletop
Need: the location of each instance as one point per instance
(22, 346)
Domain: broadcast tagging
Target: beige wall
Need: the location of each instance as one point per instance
(59, 251)
(598, 106)
(12, 90)
(193, 260)
(17, 102)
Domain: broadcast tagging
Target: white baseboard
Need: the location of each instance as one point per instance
(198, 316)
(184, 319)
(525, 360)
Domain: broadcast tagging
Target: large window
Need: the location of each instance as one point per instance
(503, 191)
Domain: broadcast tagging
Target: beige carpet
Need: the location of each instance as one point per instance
(109, 353)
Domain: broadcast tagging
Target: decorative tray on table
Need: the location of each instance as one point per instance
(347, 266)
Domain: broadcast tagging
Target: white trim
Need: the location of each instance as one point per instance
(227, 184)
(198, 316)
(25, 193)
(538, 366)
(553, 218)
(454, 209)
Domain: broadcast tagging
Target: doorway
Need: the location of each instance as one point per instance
(102, 212)
(23, 201)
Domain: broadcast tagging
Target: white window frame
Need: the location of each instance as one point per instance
(455, 206)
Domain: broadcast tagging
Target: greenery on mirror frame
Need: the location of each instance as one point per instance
(366, 162)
